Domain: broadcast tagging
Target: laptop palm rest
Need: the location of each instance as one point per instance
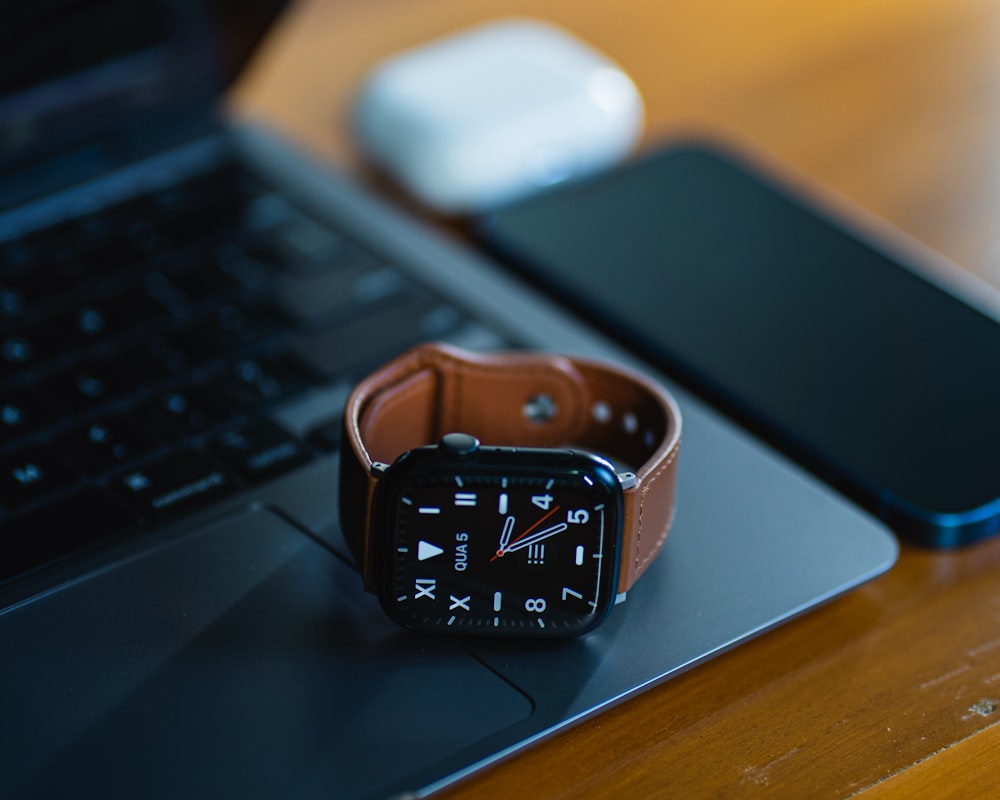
(755, 543)
(245, 649)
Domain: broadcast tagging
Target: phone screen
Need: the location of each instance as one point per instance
(882, 382)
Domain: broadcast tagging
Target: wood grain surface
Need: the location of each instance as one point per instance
(892, 690)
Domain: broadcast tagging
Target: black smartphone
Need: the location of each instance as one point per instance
(822, 342)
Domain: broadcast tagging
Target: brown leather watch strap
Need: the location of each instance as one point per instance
(524, 399)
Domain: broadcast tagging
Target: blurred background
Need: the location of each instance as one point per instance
(894, 104)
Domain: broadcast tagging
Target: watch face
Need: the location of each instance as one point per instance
(502, 543)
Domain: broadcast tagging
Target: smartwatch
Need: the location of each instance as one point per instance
(505, 494)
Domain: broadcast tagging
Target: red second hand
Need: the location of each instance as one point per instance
(519, 538)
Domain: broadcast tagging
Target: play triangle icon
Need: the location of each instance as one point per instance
(427, 550)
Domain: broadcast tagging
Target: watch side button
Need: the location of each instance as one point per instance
(459, 444)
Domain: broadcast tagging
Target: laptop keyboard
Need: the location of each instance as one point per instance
(144, 346)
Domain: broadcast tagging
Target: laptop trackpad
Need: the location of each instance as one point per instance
(245, 649)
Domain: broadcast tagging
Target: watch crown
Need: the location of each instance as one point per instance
(459, 444)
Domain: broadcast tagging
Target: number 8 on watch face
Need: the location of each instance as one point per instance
(500, 552)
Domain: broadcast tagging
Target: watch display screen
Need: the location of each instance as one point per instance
(497, 549)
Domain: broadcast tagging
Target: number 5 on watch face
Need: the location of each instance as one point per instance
(527, 554)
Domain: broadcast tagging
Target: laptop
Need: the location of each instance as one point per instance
(185, 305)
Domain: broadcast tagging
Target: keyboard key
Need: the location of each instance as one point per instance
(85, 233)
(31, 474)
(197, 207)
(252, 382)
(360, 343)
(91, 322)
(71, 258)
(252, 271)
(136, 307)
(147, 364)
(85, 387)
(114, 255)
(80, 389)
(13, 302)
(224, 334)
(26, 348)
(23, 412)
(180, 413)
(329, 295)
(66, 526)
(25, 291)
(309, 248)
(204, 280)
(260, 451)
(160, 288)
(66, 266)
(173, 485)
(104, 445)
(19, 253)
(267, 212)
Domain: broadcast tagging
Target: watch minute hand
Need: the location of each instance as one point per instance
(527, 541)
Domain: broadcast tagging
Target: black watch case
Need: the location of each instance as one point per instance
(497, 541)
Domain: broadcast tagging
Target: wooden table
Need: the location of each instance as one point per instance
(894, 104)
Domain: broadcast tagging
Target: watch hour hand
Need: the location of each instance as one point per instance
(508, 530)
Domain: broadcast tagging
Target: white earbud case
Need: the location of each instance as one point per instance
(481, 118)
